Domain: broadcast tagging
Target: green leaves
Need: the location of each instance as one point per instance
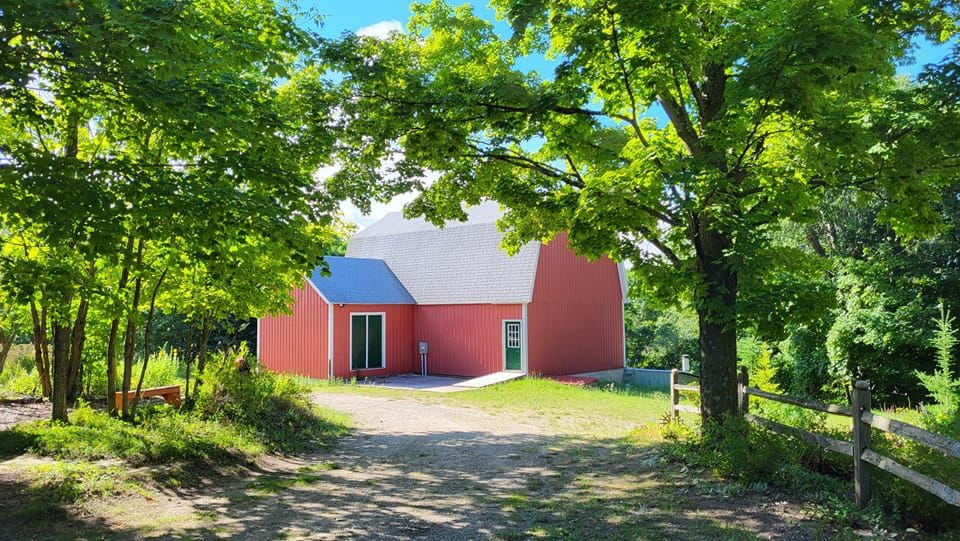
(770, 107)
(164, 123)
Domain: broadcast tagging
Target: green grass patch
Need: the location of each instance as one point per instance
(273, 484)
(162, 436)
(601, 409)
(74, 482)
(545, 396)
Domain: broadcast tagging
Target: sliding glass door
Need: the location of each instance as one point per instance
(367, 341)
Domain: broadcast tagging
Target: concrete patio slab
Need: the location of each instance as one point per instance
(440, 384)
(490, 379)
(416, 382)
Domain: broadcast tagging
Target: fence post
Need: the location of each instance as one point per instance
(674, 394)
(861, 440)
(743, 399)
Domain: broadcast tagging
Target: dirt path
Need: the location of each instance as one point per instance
(433, 471)
(13, 413)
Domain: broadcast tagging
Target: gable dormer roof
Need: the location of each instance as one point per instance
(359, 281)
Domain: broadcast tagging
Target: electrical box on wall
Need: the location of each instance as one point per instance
(423, 347)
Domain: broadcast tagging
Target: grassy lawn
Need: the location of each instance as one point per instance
(598, 410)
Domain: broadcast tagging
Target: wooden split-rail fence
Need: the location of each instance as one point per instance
(863, 422)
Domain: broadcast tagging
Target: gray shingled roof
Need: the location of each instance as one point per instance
(461, 264)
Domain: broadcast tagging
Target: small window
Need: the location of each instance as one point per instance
(366, 341)
(513, 335)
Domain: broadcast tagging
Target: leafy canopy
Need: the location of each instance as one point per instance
(770, 106)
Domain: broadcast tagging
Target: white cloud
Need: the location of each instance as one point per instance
(381, 30)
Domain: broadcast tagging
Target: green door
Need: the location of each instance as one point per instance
(511, 341)
(366, 341)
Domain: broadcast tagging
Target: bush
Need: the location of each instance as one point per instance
(161, 436)
(943, 415)
(732, 449)
(18, 376)
(272, 405)
(657, 338)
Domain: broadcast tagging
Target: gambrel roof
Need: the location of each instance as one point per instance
(459, 264)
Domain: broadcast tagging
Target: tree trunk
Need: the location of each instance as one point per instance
(112, 367)
(717, 314)
(6, 342)
(146, 342)
(188, 359)
(41, 348)
(61, 367)
(201, 355)
(78, 336)
(114, 330)
(130, 338)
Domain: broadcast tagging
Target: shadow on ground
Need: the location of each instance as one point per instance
(436, 485)
(467, 485)
(26, 514)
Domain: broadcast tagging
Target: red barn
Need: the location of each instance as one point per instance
(543, 310)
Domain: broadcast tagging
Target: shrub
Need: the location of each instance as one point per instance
(943, 415)
(762, 377)
(272, 405)
(161, 436)
(18, 377)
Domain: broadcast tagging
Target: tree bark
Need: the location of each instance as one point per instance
(130, 338)
(146, 342)
(6, 342)
(78, 336)
(41, 347)
(188, 360)
(717, 314)
(114, 330)
(61, 367)
(201, 355)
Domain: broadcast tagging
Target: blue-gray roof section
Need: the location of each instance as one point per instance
(354, 280)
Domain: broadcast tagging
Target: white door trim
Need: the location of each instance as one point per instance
(503, 343)
(383, 339)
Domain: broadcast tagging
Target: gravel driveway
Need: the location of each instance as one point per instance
(415, 470)
(426, 470)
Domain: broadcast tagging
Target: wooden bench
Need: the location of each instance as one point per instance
(171, 395)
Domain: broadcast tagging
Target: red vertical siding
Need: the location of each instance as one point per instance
(296, 343)
(464, 339)
(575, 321)
(401, 348)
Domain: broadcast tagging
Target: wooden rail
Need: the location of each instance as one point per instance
(809, 404)
(843, 447)
(863, 420)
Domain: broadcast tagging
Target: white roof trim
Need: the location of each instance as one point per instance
(314, 287)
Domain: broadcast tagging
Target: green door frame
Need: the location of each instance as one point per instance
(512, 331)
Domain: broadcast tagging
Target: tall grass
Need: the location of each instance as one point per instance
(164, 369)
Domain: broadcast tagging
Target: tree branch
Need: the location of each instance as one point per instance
(659, 245)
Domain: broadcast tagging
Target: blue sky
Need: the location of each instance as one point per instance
(378, 17)
(351, 15)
